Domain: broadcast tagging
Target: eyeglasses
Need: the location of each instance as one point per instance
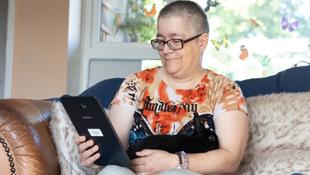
(173, 44)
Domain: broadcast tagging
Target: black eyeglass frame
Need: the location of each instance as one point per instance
(167, 42)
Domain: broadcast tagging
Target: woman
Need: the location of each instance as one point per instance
(163, 101)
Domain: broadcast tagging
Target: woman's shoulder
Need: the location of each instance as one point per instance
(214, 76)
(143, 76)
(219, 81)
(150, 72)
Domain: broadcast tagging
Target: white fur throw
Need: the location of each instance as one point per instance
(64, 134)
(280, 135)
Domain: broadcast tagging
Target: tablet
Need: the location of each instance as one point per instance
(90, 120)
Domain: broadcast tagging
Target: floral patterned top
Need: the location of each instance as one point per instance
(160, 109)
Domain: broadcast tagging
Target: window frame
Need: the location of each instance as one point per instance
(92, 48)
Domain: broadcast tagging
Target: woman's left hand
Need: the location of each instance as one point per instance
(152, 162)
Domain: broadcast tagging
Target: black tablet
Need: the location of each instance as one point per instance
(90, 120)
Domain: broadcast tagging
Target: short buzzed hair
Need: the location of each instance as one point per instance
(190, 10)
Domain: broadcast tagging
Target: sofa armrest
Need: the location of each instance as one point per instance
(25, 130)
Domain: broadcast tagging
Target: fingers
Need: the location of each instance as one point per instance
(139, 164)
(145, 173)
(79, 139)
(139, 168)
(138, 161)
(143, 169)
(89, 162)
(83, 146)
(87, 150)
(144, 152)
(151, 161)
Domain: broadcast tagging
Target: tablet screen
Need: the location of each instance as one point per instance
(90, 120)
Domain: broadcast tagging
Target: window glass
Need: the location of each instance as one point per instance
(128, 20)
(257, 38)
(247, 39)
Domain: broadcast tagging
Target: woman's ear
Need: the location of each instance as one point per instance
(203, 42)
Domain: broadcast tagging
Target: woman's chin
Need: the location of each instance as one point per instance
(171, 69)
(172, 66)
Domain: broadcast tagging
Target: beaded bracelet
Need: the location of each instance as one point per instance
(183, 160)
(9, 155)
(180, 160)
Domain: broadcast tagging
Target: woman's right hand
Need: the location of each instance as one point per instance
(88, 151)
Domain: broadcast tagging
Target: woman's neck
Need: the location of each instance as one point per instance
(189, 81)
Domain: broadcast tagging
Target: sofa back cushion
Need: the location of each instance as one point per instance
(280, 134)
(104, 90)
(295, 79)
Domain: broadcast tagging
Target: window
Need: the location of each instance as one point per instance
(128, 20)
(115, 38)
(256, 38)
(248, 39)
(262, 37)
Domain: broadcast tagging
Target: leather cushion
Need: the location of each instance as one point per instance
(24, 125)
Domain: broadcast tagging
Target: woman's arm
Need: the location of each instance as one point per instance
(121, 119)
(232, 129)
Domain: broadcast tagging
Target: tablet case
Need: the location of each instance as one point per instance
(90, 120)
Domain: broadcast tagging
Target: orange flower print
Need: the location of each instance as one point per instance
(232, 98)
(148, 75)
(189, 96)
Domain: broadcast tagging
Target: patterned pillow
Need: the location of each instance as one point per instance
(280, 135)
(64, 134)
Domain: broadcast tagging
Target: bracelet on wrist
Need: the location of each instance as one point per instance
(183, 160)
(180, 160)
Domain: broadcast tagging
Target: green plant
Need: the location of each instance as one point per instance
(136, 25)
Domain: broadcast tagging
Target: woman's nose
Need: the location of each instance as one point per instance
(167, 49)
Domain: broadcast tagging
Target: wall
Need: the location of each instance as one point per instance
(74, 47)
(3, 29)
(40, 48)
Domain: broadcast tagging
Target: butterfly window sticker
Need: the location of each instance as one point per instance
(151, 12)
(217, 44)
(253, 23)
(243, 52)
(290, 26)
(211, 3)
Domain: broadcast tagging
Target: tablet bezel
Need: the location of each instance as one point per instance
(87, 113)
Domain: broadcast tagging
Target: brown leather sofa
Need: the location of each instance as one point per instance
(26, 143)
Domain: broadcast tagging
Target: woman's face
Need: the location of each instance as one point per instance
(183, 62)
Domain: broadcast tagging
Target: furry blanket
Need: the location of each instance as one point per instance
(279, 142)
(280, 135)
(64, 134)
